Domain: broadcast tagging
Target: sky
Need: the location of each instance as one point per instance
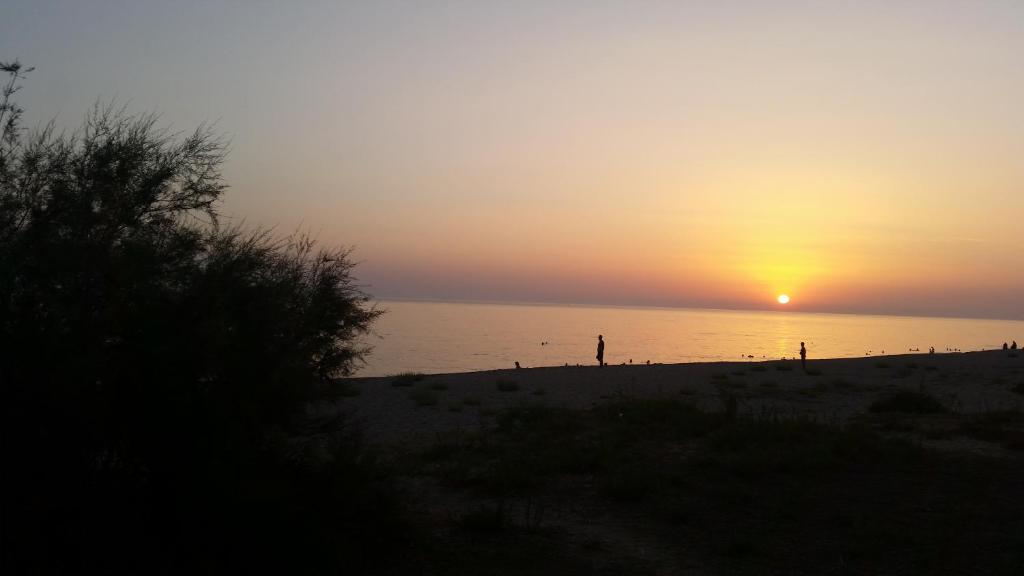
(863, 157)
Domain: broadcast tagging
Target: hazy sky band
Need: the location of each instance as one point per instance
(863, 156)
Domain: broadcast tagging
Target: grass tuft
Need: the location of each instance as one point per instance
(407, 379)
(908, 402)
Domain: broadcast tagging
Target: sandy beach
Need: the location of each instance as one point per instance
(621, 482)
(412, 410)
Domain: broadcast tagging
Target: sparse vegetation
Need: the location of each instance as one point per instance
(736, 488)
(1005, 427)
(908, 402)
(407, 379)
(504, 385)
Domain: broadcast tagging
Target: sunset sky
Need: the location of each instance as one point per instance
(859, 157)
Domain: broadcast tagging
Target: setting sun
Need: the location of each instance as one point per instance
(783, 299)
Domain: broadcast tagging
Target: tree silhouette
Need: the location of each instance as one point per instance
(155, 364)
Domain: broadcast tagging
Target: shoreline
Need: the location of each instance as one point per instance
(746, 361)
(414, 409)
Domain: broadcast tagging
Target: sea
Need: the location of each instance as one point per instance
(444, 337)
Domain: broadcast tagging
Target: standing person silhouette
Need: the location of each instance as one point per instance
(600, 350)
(803, 357)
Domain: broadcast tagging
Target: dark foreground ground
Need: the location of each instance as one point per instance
(894, 465)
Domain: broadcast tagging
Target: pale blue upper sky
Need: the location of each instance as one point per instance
(863, 156)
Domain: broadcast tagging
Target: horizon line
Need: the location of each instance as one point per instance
(437, 300)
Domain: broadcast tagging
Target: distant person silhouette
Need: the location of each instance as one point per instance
(1014, 345)
(600, 350)
(803, 357)
(1006, 346)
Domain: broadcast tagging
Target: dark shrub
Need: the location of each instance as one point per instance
(155, 366)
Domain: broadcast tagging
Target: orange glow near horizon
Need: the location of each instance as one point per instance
(704, 154)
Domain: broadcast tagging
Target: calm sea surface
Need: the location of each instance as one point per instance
(435, 337)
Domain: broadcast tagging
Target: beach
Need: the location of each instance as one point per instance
(709, 468)
(414, 409)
